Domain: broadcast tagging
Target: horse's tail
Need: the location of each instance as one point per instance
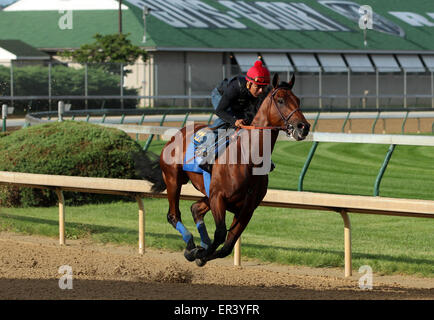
(147, 166)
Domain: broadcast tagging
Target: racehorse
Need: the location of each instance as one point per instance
(233, 187)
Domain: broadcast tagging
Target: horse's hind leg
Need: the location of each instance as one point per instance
(174, 185)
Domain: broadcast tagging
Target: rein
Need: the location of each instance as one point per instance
(287, 125)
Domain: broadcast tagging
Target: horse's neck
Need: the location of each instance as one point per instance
(263, 140)
(261, 117)
(261, 120)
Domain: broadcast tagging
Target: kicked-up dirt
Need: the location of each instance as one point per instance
(29, 269)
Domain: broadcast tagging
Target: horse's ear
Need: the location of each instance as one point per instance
(292, 81)
(275, 80)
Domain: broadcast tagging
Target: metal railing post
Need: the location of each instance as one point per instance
(12, 84)
(61, 216)
(140, 123)
(404, 121)
(237, 252)
(161, 124)
(60, 110)
(375, 122)
(151, 137)
(320, 89)
(185, 120)
(141, 224)
(349, 89)
(155, 84)
(345, 122)
(432, 89)
(306, 165)
(377, 89)
(122, 85)
(189, 85)
(4, 116)
(49, 86)
(86, 86)
(347, 243)
(210, 118)
(382, 170)
(316, 121)
(405, 89)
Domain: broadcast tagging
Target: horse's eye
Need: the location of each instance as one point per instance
(280, 101)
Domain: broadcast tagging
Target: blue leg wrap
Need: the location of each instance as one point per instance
(205, 241)
(186, 235)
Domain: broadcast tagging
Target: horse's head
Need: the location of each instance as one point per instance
(284, 109)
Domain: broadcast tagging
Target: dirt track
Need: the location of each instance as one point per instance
(29, 270)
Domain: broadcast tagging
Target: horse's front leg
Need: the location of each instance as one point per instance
(239, 223)
(218, 208)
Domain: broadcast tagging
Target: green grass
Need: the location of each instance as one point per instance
(298, 237)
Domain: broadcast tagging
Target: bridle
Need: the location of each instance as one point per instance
(288, 127)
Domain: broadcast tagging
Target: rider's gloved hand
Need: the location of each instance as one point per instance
(239, 122)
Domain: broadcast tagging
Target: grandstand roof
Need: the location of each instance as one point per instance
(223, 25)
(22, 50)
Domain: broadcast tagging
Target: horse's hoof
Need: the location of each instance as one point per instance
(199, 252)
(190, 255)
(200, 262)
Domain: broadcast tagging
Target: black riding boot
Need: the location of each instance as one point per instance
(272, 166)
(206, 167)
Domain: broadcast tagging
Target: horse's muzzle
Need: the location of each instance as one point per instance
(301, 130)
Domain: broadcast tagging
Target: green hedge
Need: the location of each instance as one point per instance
(33, 80)
(67, 148)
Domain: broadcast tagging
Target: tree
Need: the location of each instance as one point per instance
(109, 51)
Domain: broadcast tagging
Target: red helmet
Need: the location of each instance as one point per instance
(258, 74)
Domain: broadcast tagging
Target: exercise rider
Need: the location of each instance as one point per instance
(237, 100)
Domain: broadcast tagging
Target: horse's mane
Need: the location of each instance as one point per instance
(284, 85)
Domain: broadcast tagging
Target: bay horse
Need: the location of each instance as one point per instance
(233, 187)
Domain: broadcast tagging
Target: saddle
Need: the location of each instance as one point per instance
(205, 146)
